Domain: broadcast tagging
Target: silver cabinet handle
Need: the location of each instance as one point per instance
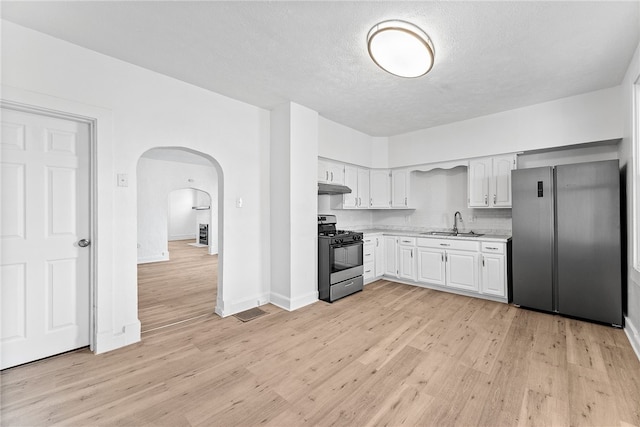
(331, 176)
(486, 199)
(367, 254)
(495, 198)
(83, 243)
(377, 242)
(359, 201)
(371, 201)
(411, 253)
(446, 259)
(405, 201)
(327, 175)
(406, 241)
(444, 244)
(483, 260)
(489, 247)
(441, 257)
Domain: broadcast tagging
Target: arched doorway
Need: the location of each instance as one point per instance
(179, 278)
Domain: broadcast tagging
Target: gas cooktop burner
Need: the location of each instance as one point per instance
(336, 233)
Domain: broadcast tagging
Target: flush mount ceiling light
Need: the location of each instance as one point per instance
(400, 48)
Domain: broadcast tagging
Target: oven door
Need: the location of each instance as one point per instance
(345, 261)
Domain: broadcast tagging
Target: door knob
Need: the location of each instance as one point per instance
(83, 243)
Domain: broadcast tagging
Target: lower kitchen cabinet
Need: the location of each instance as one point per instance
(390, 256)
(373, 257)
(494, 269)
(462, 270)
(407, 258)
(431, 266)
(472, 267)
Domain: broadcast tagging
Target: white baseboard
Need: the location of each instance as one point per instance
(289, 304)
(107, 341)
(182, 237)
(229, 308)
(157, 258)
(632, 334)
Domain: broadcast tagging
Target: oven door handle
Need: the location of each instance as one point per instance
(344, 245)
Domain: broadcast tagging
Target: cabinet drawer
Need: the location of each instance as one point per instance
(407, 241)
(495, 248)
(369, 270)
(462, 245)
(368, 252)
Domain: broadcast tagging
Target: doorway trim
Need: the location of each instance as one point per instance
(92, 123)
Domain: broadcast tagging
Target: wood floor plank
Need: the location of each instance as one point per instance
(391, 355)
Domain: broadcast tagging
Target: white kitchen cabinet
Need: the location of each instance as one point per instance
(379, 256)
(368, 259)
(450, 263)
(373, 257)
(501, 182)
(380, 188)
(330, 172)
(494, 271)
(407, 258)
(390, 256)
(357, 179)
(400, 185)
(489, 181)
(462, 270)
(431, 266)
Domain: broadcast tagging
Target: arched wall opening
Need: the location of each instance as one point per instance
(182, 175)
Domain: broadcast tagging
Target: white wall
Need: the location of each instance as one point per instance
(590, 117)
(138, 110)
(294, 163)
(181, 217)
(157, 181)
(632, 327)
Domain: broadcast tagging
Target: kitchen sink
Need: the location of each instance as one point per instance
(440, 233)
(451, 233)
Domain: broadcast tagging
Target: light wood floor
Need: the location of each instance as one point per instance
(179, 289)
(390, 355)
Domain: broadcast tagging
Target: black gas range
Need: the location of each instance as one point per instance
(340, 260)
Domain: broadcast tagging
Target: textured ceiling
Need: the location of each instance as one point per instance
(490, 56)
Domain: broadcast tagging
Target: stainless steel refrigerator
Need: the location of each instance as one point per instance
(566, 240)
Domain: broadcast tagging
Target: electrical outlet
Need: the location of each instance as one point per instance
(123, 180)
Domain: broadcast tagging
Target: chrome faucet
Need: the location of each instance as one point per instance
(455, 221)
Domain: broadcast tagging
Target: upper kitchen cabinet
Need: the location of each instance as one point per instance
(489, 181)
(380, 188)
(400, 188)
(330, 172)
(357, 179)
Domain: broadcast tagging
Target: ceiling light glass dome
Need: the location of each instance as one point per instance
(400, 48)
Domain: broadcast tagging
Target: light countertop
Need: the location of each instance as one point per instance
(489, 237)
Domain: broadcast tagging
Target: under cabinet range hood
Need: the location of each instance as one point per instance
(333, 189)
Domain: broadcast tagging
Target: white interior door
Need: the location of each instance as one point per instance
(44, 293)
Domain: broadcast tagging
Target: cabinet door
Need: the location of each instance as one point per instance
(350, 200)
(478, 182)
(431, 266)
(336, 173)
(501, 181)
(363, 188)
(378, 252)
(323, 171)
(390, 256)
(400, 188)
(380, 188)
(493, 275)
(406, 262)
(462, 270)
